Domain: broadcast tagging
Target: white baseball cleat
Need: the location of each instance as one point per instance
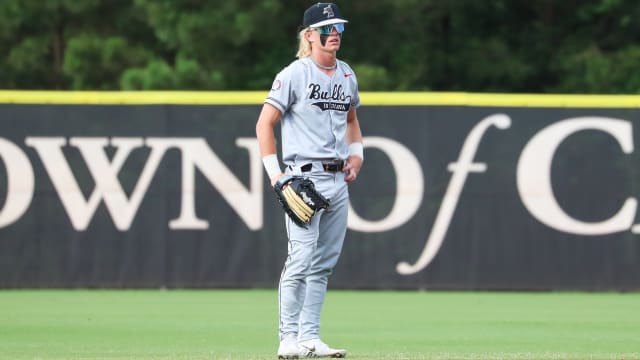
(288, 348)
(315, 348)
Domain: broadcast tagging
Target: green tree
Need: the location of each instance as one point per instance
(439, 45)
(237, 42)
(93, 62)
(36, 35)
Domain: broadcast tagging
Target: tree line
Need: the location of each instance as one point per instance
(541, 46)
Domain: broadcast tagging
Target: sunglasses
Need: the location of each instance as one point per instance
(328, 29)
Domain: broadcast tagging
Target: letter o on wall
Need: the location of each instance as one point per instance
(20, 182)
(409, 187)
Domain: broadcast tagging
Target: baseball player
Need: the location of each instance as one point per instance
(314, 99)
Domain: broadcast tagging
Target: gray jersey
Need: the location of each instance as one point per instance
(314, 109)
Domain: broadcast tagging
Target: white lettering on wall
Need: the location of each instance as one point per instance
(460, 170)
(20, 182)
(103, 172)
(122, 209)
(409, 187)
(197, 154)
(534, 176)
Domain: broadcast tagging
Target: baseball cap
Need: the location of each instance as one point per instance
(321, 14)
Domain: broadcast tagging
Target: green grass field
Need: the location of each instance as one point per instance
(241, 324)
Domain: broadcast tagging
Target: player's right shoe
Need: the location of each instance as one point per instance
(288, 348)
(315, 348)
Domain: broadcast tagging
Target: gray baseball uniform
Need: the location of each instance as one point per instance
(314, 109)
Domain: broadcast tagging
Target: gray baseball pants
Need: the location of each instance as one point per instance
(312, 255)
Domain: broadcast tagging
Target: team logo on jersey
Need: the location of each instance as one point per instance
(336, 99)
(277, 84)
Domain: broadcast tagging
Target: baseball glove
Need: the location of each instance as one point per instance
(299, 198)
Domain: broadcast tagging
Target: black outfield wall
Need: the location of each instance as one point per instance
(450, 197)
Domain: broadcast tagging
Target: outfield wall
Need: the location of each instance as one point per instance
(458, 191)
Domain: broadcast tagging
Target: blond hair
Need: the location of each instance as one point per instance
(304, 46)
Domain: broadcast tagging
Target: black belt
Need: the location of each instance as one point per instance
(328, 166)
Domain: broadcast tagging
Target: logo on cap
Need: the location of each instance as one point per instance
(328, 11)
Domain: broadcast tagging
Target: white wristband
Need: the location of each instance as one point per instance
(357, 149)
(272, 165)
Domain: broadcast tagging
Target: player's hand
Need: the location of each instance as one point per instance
(354, 163)
(275, 178)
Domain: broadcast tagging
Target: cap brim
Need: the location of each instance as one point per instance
(328, 22)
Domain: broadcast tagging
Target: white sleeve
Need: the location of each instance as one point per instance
(281, 95)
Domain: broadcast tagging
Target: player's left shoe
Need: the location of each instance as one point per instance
(315, 348)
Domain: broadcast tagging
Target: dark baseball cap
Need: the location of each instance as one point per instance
(322, 14)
